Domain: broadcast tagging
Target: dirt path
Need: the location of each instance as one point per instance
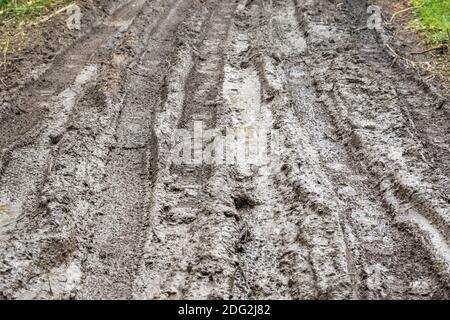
(95, 204)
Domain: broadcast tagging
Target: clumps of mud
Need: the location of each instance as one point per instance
(94, 203)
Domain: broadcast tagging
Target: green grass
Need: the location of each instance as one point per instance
(18, 12)
(433, 20)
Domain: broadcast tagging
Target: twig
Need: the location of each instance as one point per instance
(254, 56)
(442, 46)
(52, 15)
(396, 56)
(4, 53)
(20, 109)
(398, 12)
(3, 82)
(392, 51)
(154, 232)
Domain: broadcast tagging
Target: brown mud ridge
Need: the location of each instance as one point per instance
(93, 205)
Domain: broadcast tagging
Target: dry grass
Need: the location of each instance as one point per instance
(430, 59)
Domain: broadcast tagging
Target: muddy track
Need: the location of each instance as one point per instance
(94, 203)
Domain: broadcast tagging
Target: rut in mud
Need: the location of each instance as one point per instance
(95, 205)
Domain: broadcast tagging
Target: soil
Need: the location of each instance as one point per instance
(95, 205)
(430, 62)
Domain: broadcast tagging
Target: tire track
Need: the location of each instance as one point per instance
(260, 219)
(118, 234)
(179, 214)
(316, 259)
(377, 236)
(53, 229)
(352, 203)
(31, 103)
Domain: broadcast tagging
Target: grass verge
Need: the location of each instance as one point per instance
(15, 13)
(432, 20)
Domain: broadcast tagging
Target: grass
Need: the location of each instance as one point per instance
(433, 20)
(18, 29)
(20, 12)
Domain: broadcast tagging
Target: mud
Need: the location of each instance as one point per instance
(95, 205)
